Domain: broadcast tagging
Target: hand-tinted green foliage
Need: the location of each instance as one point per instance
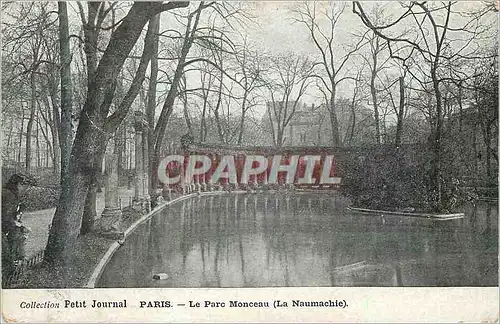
(392, 178)
(386, 178)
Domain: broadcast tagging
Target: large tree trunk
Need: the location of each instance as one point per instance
(83, 167)
(151, 105)
(65, 135)
(86, 153)
(89, 209)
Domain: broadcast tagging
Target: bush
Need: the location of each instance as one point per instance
(387, 178)
(36, 198)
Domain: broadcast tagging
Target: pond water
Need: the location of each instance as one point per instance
(258, 240)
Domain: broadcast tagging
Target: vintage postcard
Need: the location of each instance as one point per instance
(249, 161)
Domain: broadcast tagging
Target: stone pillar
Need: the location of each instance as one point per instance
(204, 182)
(264, 179)
(111, 216)
(198, 183)
(138, 164)
(238, 166)
(167, 192)
(145, 167)
(141, 197)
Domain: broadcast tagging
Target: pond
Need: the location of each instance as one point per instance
(272, 240)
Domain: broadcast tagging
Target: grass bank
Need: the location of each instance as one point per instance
(89, 249)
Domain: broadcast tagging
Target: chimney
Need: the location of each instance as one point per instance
(312, 107)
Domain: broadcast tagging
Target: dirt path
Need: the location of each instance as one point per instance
(40, 220)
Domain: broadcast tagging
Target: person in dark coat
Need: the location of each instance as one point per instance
(13, 230)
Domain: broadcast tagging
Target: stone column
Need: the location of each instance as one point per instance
(204, 182)
(198, 183)
(145, 166)
(111, 216)
(141, 199)
(167, 192)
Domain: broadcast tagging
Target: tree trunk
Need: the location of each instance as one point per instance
(187, 118)
(37, 142)
(242, 120)
(436, 145)
(29, 128)
(20, 140)
(353, 120)
(399, 126)
(168, 105)
(151, 106)
(373, 89)
(89, 209)
(487, 140)
(334, 122)
(9, 137)
(83, 168)
(54, 125)
(87, 151)
(203, 122)
(220, 131)
(373, 92)
(65, 134)
(242, 128)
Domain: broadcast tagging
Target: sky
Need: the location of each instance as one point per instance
(273, 30)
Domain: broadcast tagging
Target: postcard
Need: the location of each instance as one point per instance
(250, 161)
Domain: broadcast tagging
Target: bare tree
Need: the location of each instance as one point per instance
(333, 65)
(95, 125)
(376, 59)
(194, 34)
(425, 49)
(249, 77)
(289, 76)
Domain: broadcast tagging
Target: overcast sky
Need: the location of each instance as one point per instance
(274, 31)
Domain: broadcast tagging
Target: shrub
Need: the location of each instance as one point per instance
(36, 198)
(388, 178)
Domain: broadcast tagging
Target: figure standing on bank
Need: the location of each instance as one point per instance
(14, 232)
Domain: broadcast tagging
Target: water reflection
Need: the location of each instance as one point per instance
(303, 240)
